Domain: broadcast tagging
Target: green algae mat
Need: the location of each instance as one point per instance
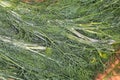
(57, 39)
